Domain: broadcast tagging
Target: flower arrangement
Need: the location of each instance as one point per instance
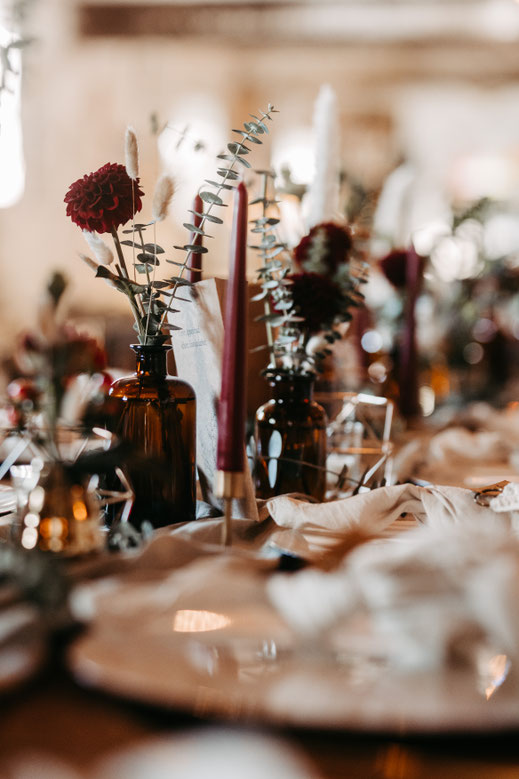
(106, 200)
(308, 292)
(44, 367)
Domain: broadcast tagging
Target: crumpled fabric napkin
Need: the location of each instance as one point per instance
(440, 591)
(318, 527)
(445, 456)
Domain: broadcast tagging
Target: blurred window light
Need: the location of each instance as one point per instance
(501, 236)
(485, 175)
(12, 180)
(484, 330)
(424, 238)
(473, 353)
(371, 341)
(294, 149)
(188, 144)
(455, 258)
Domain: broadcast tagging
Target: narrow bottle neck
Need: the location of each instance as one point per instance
(151, 360)
(293, 389)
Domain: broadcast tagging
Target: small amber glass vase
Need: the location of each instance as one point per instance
(290, 437)
(156, 414)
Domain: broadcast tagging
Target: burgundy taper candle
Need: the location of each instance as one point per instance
(408, 379)
(196, 240)
(231, 411)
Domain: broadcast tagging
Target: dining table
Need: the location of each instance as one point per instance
(122, 687)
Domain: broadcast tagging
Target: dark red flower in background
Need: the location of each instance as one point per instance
(327, 245)
(317, 298)
(394, 266)
(101, 201)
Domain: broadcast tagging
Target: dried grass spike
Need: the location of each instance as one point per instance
(88, 261)
(103, 253)
(131, 151)
(164, 191)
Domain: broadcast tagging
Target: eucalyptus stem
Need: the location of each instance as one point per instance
(251, 131)
(266, 306)
(190, 253)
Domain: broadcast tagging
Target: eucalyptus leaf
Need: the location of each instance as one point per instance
(219, 184)
(238, 148)
(196, 230)
(275, 252)
(259, 296)
(153, 248)
(248, 137)
(253, 127)
(228, 173)
(137, 226)
(273, 319)
(193, 248)
(180, 281)
(148, 259)
(134, 244)
(209, 217)
(210, 197)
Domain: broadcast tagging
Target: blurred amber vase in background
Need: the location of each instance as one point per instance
(155, 414)
(290, 440)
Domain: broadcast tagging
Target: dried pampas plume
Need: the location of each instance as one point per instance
(162, 196)
(131, 151)
(103, 253)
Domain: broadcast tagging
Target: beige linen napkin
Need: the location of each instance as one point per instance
(310, 528)
(437, 593)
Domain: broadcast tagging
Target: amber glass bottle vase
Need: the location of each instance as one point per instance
(290, 438)
(155, 414)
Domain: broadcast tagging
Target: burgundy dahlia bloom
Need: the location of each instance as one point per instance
(101, 201)
(324, 249)
(394, 267)
(317, 298)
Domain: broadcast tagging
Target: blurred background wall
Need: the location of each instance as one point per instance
(429, 83)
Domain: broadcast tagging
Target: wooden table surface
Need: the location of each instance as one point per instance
(53, 716)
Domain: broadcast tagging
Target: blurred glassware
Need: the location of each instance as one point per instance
(360, 447)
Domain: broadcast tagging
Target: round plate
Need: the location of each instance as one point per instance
(221, 650)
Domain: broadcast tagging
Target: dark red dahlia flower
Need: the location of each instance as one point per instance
(317, 298)
(394, 267)
(101, 201)
(324, 249)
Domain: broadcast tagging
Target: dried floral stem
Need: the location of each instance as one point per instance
(124, 276)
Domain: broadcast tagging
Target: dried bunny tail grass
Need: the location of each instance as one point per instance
(164, 191)
(103, 253)
(131, 151)
(94, 266)
(88, 261)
